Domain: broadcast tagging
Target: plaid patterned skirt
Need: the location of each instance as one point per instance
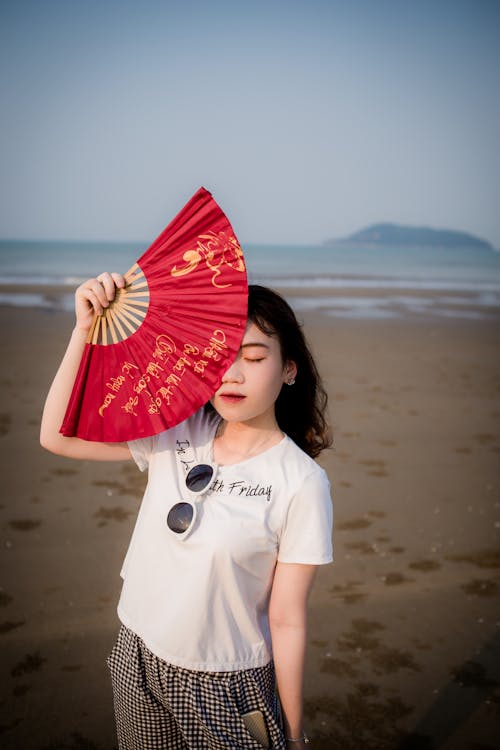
(159, 706)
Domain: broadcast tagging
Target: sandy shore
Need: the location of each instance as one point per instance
(404, 646)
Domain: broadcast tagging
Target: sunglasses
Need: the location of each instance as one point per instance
(182, 515)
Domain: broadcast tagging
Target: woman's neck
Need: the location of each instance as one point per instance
(237, 441)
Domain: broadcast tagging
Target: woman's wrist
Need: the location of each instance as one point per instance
(81, 331)
(298, 740)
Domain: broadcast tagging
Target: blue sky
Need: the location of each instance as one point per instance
(306, 120)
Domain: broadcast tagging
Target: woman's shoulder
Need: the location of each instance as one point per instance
(202, 424)
(301, 465)
(197, 428)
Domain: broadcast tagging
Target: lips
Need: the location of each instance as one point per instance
(231, 398)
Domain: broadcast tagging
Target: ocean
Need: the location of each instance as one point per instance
(354, 281)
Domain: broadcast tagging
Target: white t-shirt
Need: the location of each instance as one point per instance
(202, 602)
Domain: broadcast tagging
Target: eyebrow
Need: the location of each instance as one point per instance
(254, 343)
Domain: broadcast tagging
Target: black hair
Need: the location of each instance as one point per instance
(300, 408)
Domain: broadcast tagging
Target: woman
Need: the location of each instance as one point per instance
(235, 519)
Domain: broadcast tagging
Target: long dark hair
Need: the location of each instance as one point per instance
(300, 408)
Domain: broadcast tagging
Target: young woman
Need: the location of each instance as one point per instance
(235, 519)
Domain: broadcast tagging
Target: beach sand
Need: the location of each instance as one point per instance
(404, 645)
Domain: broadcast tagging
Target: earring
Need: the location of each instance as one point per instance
(291, 381)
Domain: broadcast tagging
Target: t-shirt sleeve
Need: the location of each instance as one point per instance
(306, 536)
(142, 450)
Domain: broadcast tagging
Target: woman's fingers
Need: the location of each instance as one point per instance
(110, 282)
(95, 292)
(94, 295)
(119, 280)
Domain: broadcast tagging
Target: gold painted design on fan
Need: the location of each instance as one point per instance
(125, 313)
(218, 250)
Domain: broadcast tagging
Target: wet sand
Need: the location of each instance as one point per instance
(404, 646)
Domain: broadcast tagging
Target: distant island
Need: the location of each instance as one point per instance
(397, 234)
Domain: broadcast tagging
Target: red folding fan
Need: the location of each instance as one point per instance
(159, 351)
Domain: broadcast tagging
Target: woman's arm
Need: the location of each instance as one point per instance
(288, 619)
(93, 295)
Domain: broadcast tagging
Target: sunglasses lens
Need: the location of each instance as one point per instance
(179, 517)
(198, 478)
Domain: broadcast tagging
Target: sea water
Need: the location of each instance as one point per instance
(349, 280)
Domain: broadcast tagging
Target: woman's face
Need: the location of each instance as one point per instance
(252, 384)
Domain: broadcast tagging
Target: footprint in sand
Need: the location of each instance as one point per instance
(134, 484)
(8, 625)
(485, 438)
(388, 660)
(377, 467)
(377, 513)
(365, 548)
(488, 558)
(112, 514)
(421, 645)
(481, 587)
(394, 579)
(339, 667)
(378, 473)
(472, 674)
(388, 443)
(348, 592)
(64, 472)
(360, 719)
(24, 524)
(361, 639)
(424, 565)
(5, 423)
(5, 598)
(31, 663)
(345, 484)
(464, 450)
(353, 524)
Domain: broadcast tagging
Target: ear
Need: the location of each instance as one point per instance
(289, 371)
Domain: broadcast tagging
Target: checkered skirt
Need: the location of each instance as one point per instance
(159, 706)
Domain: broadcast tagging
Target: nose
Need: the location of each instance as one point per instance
(233, 374)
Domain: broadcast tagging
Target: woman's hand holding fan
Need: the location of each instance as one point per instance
(94, 296)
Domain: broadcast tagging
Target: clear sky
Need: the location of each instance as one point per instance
(306, 119)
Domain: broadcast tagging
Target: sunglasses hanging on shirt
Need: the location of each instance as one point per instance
(182, 515)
